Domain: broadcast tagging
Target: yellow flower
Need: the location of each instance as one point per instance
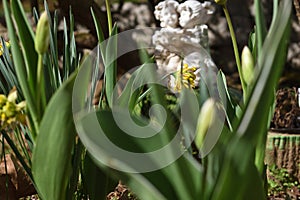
(10, 112)
(12, 96)
(7, 44)
(184, 77)
(3, 100)
(9, 109)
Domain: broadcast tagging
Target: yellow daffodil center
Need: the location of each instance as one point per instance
(11, 113)
(185, 77)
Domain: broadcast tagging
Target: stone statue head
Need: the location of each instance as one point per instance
(166, 12)
(192, 13)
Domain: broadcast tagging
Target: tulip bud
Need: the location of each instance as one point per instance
(221, 2)
(247, 65)
(41, 42)
(206, 118)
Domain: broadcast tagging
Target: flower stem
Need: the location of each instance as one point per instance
(41, 96)
(109, 18)
(235, 48)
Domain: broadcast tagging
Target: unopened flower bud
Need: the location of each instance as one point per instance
(206, 118)
(41, 42)
(247, 65)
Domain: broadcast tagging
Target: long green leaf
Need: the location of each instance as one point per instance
(261, 28)
(133, 88)
(51, 161)
(253, 124)
(226, 98)
(97, 182)
(96, 145)
(149, 183)
(239, 178)
(97, 23)
(21, 68)
(110, 63)
(26, 37)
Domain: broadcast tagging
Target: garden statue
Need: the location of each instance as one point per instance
(166, 12)
(182, 42)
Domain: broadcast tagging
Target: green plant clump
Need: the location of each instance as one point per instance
(167, 147)
(280, 181)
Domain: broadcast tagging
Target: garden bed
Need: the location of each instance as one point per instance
(67, 154)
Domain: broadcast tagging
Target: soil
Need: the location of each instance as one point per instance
(121, 192)
(287, 110)
(292, 193)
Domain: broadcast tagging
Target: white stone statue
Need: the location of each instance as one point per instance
(194, 13)
(182, 41)
(166, 12)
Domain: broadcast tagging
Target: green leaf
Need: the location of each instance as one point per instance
(179, 180)
(239, 178)
(97, 147)
(254, 122)
(51, 160)
(110, 63)
(66, 53)
(97, 23)
(52, 60)
(226, 98)
(252, 43)
(130, 95)
(261, 28)
(97, 182)
(26, 37)
(20, 68)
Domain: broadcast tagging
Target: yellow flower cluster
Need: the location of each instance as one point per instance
(7, 44)
(11, 113)
(185, 77)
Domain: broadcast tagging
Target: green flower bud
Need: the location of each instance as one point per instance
(247, 65)
(221, 2)
(206, 118)
(41, 42)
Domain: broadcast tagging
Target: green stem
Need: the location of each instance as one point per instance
(235, 48)
(109, 18)
(261, 30)
(41, 96)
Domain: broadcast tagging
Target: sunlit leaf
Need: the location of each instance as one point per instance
(51, 161)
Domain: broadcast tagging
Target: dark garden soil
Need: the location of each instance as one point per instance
(287, 111)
